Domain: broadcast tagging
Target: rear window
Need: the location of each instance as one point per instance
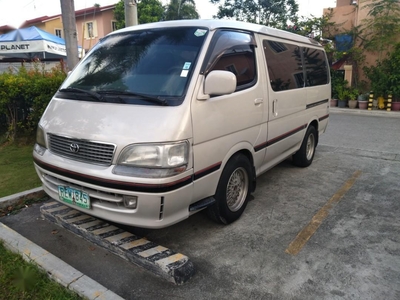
(316, 67)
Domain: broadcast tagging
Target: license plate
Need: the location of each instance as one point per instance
(73, 196)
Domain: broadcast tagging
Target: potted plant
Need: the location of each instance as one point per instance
(337, 87)
(362, 100)
(338, 83)
(333, 101)
(342, 98)
(352, 97)
(343, 94)
(394, 81)
(396, 98)
(396, 104)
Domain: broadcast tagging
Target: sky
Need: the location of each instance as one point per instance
(15, 12)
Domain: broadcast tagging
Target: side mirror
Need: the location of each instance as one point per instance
(220, 83)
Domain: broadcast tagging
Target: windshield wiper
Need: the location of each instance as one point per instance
(154, 99)
(90, 93)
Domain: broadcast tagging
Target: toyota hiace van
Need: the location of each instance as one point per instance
(162, 120)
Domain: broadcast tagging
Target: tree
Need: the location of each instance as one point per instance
(273, 13)
(382, 27)
(148, 11)
(119, 14)
(181, 9)
(318, 28)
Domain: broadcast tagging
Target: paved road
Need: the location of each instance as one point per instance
(354, 254)
(363, 132)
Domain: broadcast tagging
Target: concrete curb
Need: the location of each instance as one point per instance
(172, 266)
(356, 111)
(57, 269)
(161, 261)
(20, 197)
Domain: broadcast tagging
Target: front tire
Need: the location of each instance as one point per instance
(233, 191)
(305, 155)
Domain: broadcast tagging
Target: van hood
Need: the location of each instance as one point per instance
(120, 124)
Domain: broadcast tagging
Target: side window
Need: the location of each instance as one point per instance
(316, 67)
(234, 52)
(284, 65)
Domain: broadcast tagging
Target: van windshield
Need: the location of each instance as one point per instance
(149, 67)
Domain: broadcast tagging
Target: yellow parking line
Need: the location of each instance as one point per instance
(302, 238)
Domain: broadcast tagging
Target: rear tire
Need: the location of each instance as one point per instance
(305, 155)
(233, 191)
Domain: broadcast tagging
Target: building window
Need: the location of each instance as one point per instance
(113, 25)
(90, 29)
(58, 32)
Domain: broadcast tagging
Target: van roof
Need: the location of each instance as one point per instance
(213, 24)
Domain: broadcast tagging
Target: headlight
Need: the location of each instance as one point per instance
(40, 146)
(153, 160)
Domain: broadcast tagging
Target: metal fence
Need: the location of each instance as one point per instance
(5, 66)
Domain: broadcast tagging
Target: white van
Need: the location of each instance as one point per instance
(162, 120)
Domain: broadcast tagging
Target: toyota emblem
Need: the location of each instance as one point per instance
(74, 148)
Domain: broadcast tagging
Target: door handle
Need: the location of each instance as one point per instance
(275, 107)
(258, 101)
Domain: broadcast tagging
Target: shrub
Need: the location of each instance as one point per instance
(24, 96)
(337, 83)
(385, 75)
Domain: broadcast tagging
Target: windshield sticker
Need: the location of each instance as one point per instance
(184, 73)
(186, 66)
(200, 32)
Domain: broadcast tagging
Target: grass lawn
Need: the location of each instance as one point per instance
(17, 173)
(21, 280)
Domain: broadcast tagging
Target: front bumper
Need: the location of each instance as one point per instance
(167, 205)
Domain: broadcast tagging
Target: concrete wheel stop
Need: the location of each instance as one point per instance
(164, 262)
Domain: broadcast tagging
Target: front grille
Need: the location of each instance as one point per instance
(82, 150)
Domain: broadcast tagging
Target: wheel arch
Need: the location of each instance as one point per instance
(234, 187)
(246, 150)
(315, 124)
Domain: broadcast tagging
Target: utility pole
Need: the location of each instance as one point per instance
(70, 34)
(131, 18)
